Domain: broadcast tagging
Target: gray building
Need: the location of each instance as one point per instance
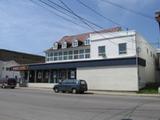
(10, 58)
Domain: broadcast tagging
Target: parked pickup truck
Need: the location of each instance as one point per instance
(8, 83)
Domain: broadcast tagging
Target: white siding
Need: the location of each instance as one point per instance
(122, 78)
(147, 73)
(111, 41)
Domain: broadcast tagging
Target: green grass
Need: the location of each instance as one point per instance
(149, 90)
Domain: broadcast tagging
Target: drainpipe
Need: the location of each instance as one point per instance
(137, 56)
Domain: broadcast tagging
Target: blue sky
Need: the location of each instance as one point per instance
(27, 27)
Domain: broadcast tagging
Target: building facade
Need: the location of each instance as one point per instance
(10, 58)
(110, 59)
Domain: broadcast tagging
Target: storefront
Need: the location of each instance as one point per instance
(51, 75)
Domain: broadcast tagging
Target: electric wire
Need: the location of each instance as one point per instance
(128, 9)
(98, 13)
(66, 19)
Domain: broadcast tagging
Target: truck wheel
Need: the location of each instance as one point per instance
(3, 86)
(56, 90)
(74, 91)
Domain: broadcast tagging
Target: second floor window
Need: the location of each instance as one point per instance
(87, 42)
(55, 45)
(101, 51)
(122, 48)
(64, 45)
(75, 43)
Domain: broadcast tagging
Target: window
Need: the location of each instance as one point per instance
(55, 56)
(101, 51)
(81, 54)
(122, 48)
(60, 55)
(51, 54)
(64, 45)
(70, 55)
(75, 43)
(75, 54)
(87, 42)
(65, 56)
(87, 53)
(47, 56)
(55, 45)
(87, 50)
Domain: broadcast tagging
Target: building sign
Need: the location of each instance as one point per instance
(19, 68)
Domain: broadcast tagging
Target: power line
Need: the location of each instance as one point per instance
(73, 13)
(101, 15)
(81, 19)
(128, 9)
(98, 13)
(99, 33)
(84, 21)
(57, 9)
(70, 11)
(69, 20)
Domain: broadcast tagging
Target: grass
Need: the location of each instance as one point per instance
(149, 90)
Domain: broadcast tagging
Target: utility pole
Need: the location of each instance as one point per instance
(157, 17)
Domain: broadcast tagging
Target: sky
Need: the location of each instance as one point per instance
(32, 27)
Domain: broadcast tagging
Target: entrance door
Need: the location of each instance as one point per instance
(31, 77)
(72, 74)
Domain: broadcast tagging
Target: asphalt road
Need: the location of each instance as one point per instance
(25, 104)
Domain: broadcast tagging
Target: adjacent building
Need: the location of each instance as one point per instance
(110, 59)
(10, 58)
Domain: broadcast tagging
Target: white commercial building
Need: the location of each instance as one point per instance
(110, 59)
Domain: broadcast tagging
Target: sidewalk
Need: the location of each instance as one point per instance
(100, 92)
(123, 93)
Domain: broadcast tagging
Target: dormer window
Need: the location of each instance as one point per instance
(64, 45)
(87, 42)
(55, 45)
(75, 43)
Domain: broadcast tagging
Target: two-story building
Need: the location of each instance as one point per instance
(110, 59)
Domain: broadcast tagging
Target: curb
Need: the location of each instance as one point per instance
(98, 92)
(125, 94)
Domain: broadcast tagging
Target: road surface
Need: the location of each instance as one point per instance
(28, 104)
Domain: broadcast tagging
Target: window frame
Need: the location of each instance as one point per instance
(55, 45)
(64, 45)
(87, 42)
(121, 52)
(100, 53)
(75, 43)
